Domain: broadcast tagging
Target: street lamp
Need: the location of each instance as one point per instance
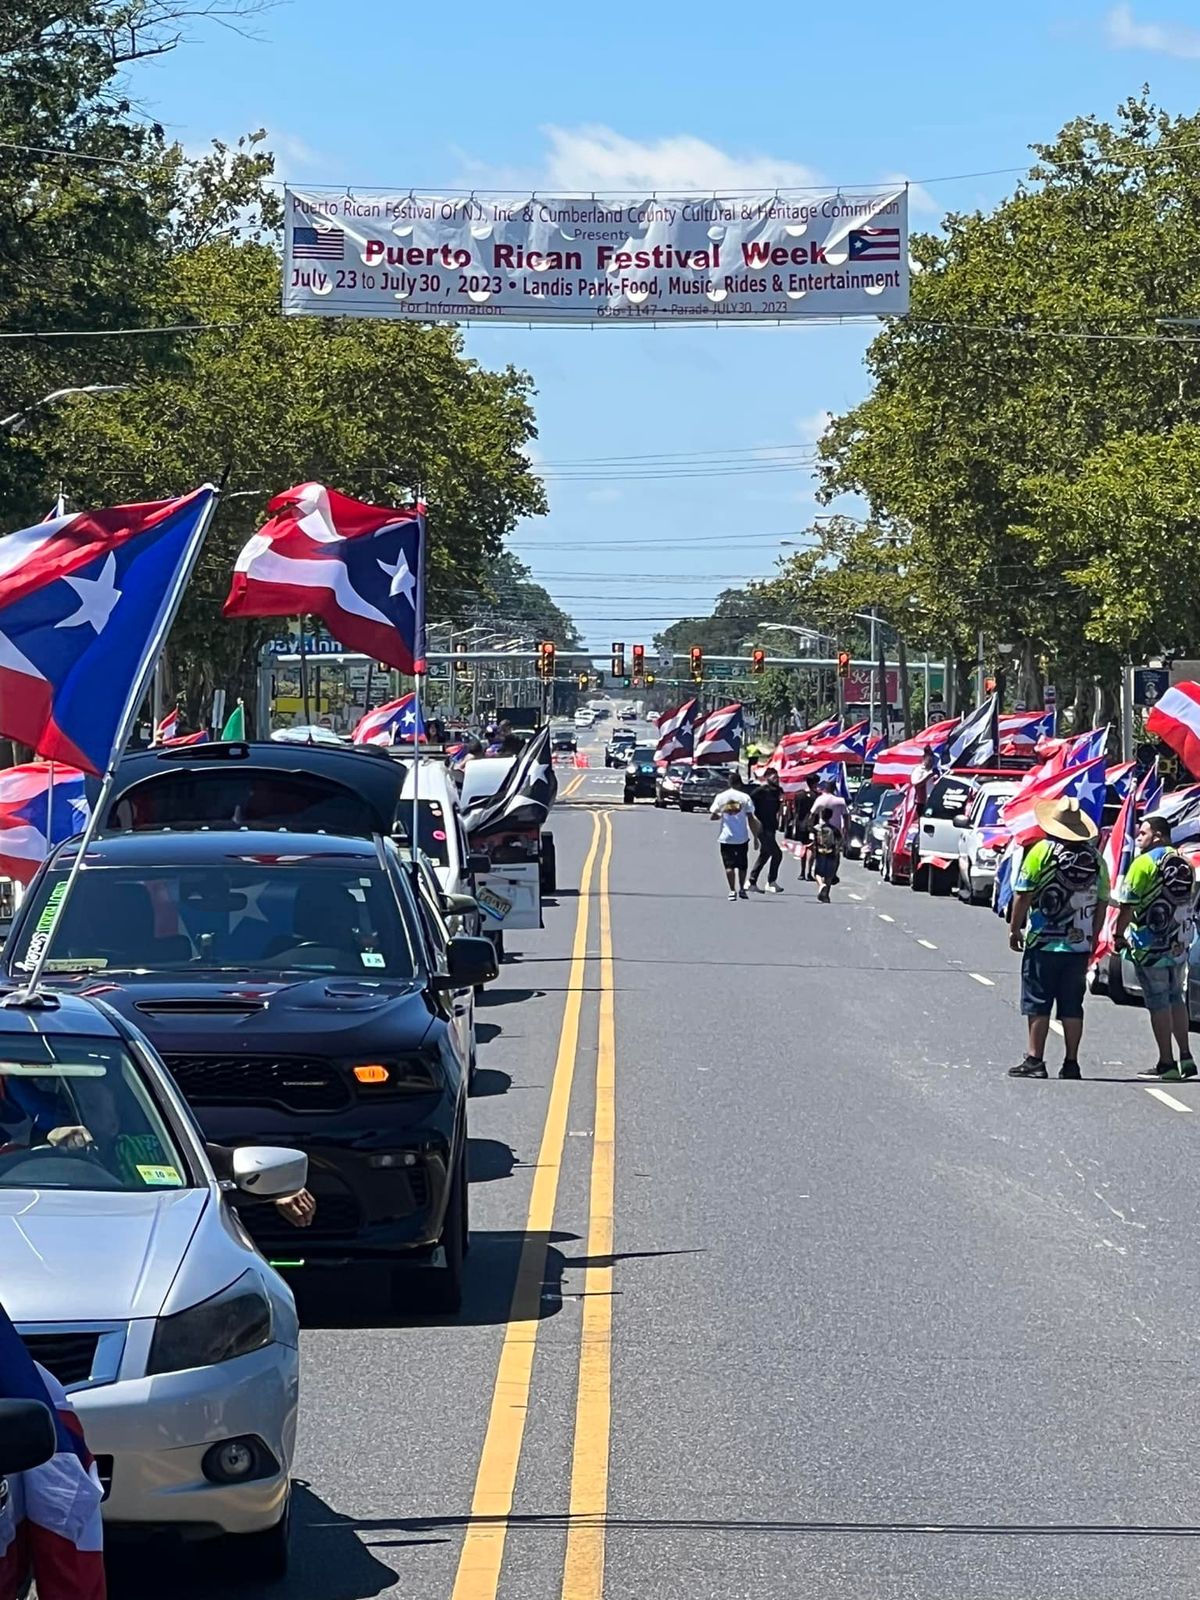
(15, 422)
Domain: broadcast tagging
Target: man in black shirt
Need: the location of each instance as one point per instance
(768, 801)
(801, 823)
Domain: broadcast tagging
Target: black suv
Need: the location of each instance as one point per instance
(300, 994)
(641, 775)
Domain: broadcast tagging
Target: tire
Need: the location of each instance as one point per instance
(548, 866)
(659, 803)
(686, 809)
(1117, 992)
(940, 882)
(260, 1557)
(628, 798)
(918, 876)
(439, 1290)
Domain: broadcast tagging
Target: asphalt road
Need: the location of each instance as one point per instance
(834, 1309)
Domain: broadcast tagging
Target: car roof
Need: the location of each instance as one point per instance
(205, 846)
(71, 1014)
(432, 781)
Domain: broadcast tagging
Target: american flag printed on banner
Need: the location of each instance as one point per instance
(874, 244)
(318, 244)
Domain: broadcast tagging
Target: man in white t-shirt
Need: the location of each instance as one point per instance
(734, 809)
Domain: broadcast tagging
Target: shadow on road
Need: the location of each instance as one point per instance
(329, 1562)
(490, 1081)
(485, 1032)
(489, 1159)
(506, 997)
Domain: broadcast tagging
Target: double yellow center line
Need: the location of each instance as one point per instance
(482, 1556)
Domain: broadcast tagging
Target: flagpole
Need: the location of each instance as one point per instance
(133, 704)
(304, 674)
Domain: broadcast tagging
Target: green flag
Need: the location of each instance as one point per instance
(235, 728)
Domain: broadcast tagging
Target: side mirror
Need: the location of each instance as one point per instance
(469, 962)
(479, 861)
(962, 820)
(460, 905)
(27, 1437)
(268, 1173)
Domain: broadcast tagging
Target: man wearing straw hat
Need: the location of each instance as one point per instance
(1060, 897)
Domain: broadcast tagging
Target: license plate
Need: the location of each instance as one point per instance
(494, 903)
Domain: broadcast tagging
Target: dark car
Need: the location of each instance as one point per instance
(702, 786)
(862, 809)
(300, 995)
(670, 782)
(875, 833)
(641, 774)
(616, 751)
(563, 741)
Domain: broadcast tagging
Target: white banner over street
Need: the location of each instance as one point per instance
(737, 258)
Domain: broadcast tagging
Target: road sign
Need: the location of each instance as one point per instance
(1150, 684)
(666, 661)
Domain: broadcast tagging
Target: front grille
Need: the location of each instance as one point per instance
(69, 1356)
(292, 1083)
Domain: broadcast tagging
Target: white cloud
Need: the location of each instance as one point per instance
(294, 157)
(811, 428)
(596, 157)
(1125, 32)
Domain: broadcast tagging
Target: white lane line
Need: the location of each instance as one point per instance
(883, 916)
(927, 944)
(854, 896)
(979, 978)
(1168, 1100)
(1057, 1026)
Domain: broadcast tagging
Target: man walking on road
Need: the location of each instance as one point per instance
(734, 809)
(1060, 893)
(827, 847)
(801, 824)
(768, 800)
(1156, 920)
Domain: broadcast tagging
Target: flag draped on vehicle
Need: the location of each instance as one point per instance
(719, 736)
(83, 600)
(360, 568)
(41, 804)
(523, 799)
(50, 1519)
(393, 723)
(1175, 719)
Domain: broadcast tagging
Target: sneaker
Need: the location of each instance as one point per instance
(754, 889)
(1187, 1067)
(1164, 1072)
(1031, 1067)
(1070, 1069)
(733, 894)
(742, 895)
(773, 888)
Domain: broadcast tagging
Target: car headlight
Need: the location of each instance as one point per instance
(986, 856)
(230, 1324)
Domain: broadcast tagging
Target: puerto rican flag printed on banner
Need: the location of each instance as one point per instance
(40, 806)
(1084, 783)
(1175, 719)
(719, 736)
(360, 568)
(51, 1520)
(393, 723)
(81, 600)
(676, 733)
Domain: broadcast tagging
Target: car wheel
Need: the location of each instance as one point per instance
(940, 881)
(439, 1290)
(548, 867)
(628, 798)
(261, 1557)
(1117, 992)
(659, 803)
(918, 877)
(686, 808)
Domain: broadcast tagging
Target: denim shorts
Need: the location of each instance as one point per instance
(1053, 979)
(1162, 987)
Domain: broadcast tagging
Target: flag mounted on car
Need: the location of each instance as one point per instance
(393, 723)
(1084, 783)
(719, 736)
(41, 804)
(676, 733)
(360, 568)
(523, 799)
(85, 601)
(974, 742)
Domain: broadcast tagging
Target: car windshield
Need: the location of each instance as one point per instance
(643, 754)
(888, 801)
(275, 913)
(950, 797)
(75, 1113)
(991, 810)
(434, 827)
(867, 796)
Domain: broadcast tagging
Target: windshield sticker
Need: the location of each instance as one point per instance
(439, 834)
(160, 1177)
(45, 925)
(357, 894)
(77, 964)
(52, 1069)
(372, 958)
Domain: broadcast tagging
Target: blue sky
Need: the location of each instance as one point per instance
(375, 93)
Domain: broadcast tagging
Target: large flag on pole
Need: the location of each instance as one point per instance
(719, 736)
(523, 799)
(393, 723)
(83, 600)
(1118, 852)
(1084, 783)
(676, 733)
(973, 743)
(360, 568)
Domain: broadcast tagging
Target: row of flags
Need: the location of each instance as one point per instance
(712, 740)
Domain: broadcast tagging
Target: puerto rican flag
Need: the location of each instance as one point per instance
(1122, 778)
(1175, 719)
(1084, 783)
(360, 568)
(168, 727)
(851, 745)
(50, 1522)
(1022, 731)
(1118, 851)
(393, 723)
(676, 733)
(897, 764)
(1150, 790)
(83, 598)
(41, 804)
(719, 736)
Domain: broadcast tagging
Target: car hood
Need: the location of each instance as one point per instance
(71, 1256)
(242, 1012)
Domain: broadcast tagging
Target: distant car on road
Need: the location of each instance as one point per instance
(627, 714)
(702, 786)
(616, 751)
(584, 718)
(670, 782)
(641, 775)
(563, 741)
(130, 1277)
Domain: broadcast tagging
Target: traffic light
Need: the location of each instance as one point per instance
(758, 661)
(649, 680)
(546, 660)
(627, 683)
(843, 666)
(618, 660)
(460, 666)
(639, 660)
(697, 663)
